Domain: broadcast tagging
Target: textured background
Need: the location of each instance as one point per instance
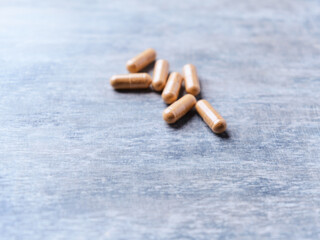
(81, 161)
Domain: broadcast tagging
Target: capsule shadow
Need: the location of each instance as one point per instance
(182, 92)
(184, 120)
(147, 90)
(225, 135)
(199, 96)
(157, 92)
(148, 68)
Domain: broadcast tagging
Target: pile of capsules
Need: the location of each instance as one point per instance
(171, 88)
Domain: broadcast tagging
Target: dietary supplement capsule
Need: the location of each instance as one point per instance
(191, 80)
(141, 60)
(179, 108)
(131, 81)
(211, 116)
(160, 74)
(172, 88)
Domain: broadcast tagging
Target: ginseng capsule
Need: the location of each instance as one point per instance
(141, 60)
(211, 116)
(131, 81)
(191, 80)
(179, 108)
(172, 88)
(160, 74)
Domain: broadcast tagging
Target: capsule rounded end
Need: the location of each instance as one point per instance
(158, 86)
(219, 126)
(168, 98)
(199, 102)
(148, 78)
(176, 73)
(153, 51)
(192, 99)
(131, 67)
(194, 90)
(169, 116)
(113, 81)
(188, 65)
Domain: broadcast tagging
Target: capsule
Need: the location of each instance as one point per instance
(211, 116)
(160, 74)
(141, 60)
(131, 81)
(172, 88)
(191, 80)
(179, 108)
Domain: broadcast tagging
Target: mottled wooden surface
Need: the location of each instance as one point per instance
(81, 161)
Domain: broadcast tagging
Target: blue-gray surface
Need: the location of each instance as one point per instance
(81, 161)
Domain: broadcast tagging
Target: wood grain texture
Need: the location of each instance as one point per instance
(82, 161)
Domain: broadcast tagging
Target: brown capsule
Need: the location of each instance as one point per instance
(191, 80)
(179, 108)
(131, 81)
(211, 116)
(141, 60)
(160, 74)
(172, 88)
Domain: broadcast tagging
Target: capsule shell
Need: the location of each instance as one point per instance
(160, 74)
(141, 60)
(191, 80)
(212, 118)
(172, 88)
(131, 81)
(179, 108)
